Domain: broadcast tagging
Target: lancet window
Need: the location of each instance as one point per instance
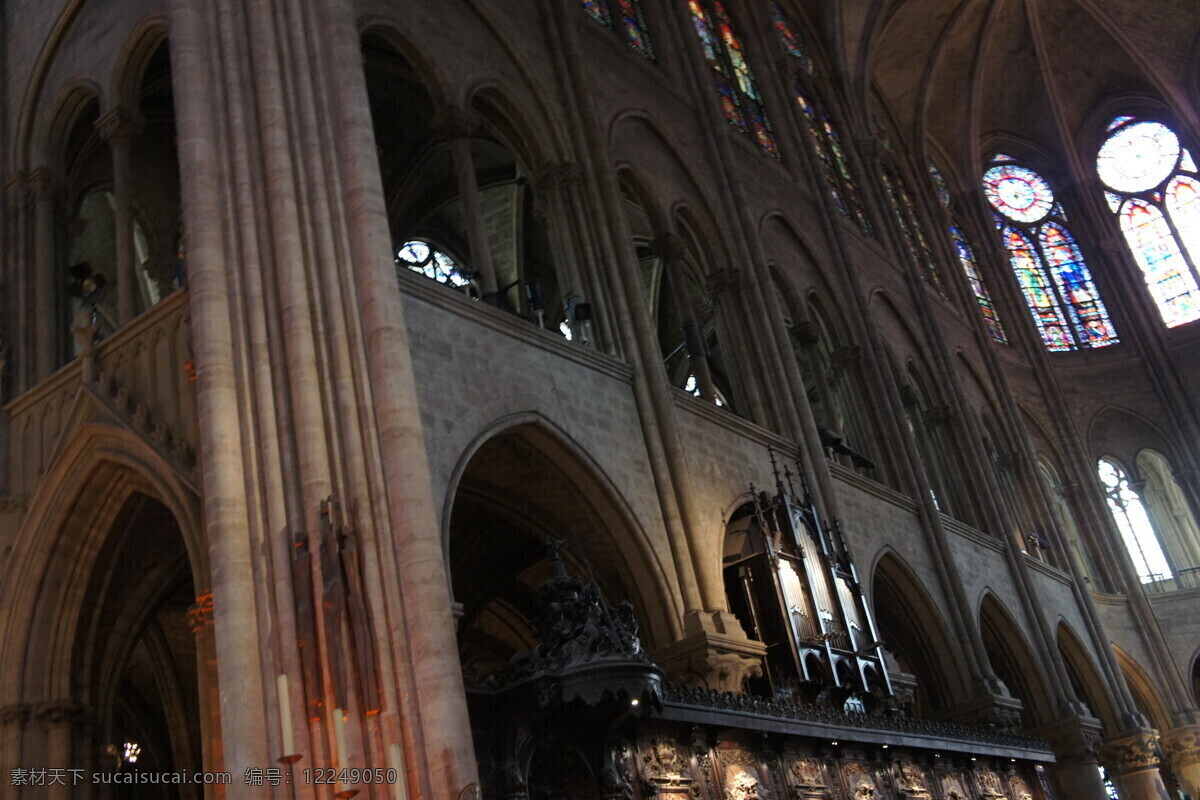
(625, 17)
(1049, 266)
(1151, 184)
(909, 223)
(819, 123)
(1141, 542)
(726, 56)
(966, 259)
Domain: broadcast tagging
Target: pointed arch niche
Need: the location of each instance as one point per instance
(926, 674)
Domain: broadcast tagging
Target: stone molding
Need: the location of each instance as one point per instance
(59, 712)
(18, 714)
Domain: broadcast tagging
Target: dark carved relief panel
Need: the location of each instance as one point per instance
(742, 775)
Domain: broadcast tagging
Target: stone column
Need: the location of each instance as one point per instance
(13, 720)
(455, 125)
(1076, 742)
(227, 521)
(46, 274)
(1131, 763)
(200, 618)
(118, 128)
(1181, 746)
(60, 718)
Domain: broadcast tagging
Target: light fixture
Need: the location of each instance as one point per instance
(634, 702)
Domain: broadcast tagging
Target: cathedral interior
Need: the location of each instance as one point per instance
(600, 399)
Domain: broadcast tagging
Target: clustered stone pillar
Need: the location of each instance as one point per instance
(1076, 743)
(60, 718)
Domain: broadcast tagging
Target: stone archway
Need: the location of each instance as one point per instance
(111, 668)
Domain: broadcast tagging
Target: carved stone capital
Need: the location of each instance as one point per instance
(714, 655)
(16, 190)
(806, 333)
(119, 126)
(553, 177)
(870, 148)
(670, 248)
(1008, 462)
(454, 122)
(937, 416)
(18, 714)
(1181, 746)
(725, 281)
(43, 183)
(59, 712)
(200, 614)
(1135, 751)
(1067, 489)
(1074, 738)
(11, 503)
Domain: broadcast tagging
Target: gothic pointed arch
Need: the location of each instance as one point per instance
(1087, 682)
(111, 659)
(1144, 689)
(1013, 662)
(914, 632)
(520, 485)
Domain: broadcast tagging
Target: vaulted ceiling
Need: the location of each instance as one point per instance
(961, 71)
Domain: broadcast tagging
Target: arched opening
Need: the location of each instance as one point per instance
(458, 182)
(135, 656)
(110, 640)
(683, 311)
(914, 635)
(529, 520)
(1013, 663)
(123, 250)
(1086, 682)
(1172, 517)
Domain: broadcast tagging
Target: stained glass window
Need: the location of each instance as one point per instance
(1052, 273)
(911, 229)
(939, 185)
(625, 17)
(421, 257)
(1152, 188)
(735, 82)
(966, 257)
(792, 38)
(835, 167)
(1134, 523)
(820, 125)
